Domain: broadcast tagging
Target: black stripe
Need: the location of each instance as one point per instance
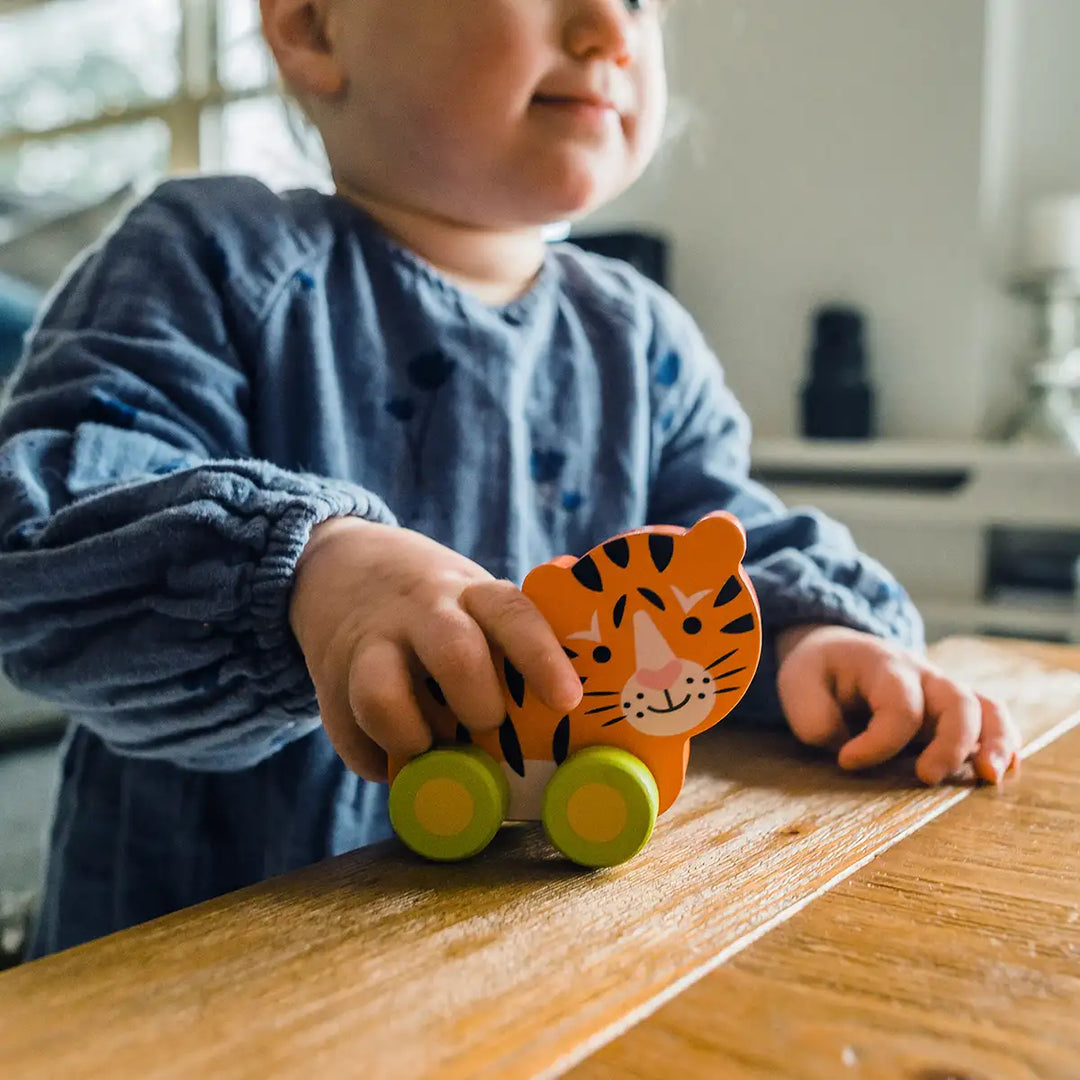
(661, 548)
(515, 683)
(560, 743)
(619, 611)
(728, 592)
(586, 572)
(511, 748)
(652, 598)
(569, 652)
(742, 625)
(618, 551)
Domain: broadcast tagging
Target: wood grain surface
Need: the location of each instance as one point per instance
(955, 956)
(515, 964)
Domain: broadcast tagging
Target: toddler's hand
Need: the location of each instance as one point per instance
(374, 607)
(826, 671)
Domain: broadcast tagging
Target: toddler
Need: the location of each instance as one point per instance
(271, 461)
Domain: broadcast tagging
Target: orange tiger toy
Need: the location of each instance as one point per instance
(663, 628)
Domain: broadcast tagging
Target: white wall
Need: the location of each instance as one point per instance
(1032, 150)
(878, 151)
(836, 153)
(1048, 92)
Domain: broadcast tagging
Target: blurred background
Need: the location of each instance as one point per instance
(872, 207)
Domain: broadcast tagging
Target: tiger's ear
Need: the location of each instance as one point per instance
(548, 584)
(717, 538)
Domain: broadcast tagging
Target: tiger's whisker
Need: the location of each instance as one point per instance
(608, 723)
(603, 708)
(721, 659)
(728, 674)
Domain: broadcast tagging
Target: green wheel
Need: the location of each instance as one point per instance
(448, 804)
(600, 806)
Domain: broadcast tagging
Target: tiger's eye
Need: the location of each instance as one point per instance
(601, 654)
(692, 625)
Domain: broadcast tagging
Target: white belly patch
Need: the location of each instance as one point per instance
(527, 792)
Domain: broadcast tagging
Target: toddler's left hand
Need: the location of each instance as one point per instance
(826, 671)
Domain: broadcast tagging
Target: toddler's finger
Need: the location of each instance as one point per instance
(956, 718)
(455, 653)
(999, 743)
(517, 626)
(356, 749)
(361, 754)
(809, 702)
(895, 698)
(383, 703)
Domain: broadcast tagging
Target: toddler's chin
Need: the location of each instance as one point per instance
(563, 182)
(571, 201)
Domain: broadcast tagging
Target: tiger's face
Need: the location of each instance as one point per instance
(666, 694)
(661, 625)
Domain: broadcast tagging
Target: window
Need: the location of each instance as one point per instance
(97, 93)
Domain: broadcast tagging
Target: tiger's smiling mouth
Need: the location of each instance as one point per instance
(658, 671)
(674, 707)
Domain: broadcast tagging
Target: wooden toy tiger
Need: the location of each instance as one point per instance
(663, 628)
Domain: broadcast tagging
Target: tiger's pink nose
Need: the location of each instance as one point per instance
(659, 678)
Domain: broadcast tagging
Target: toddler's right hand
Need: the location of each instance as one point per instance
(375, 606)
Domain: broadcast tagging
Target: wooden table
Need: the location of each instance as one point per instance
(955, 954)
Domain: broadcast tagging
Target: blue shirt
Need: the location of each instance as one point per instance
(230, 367)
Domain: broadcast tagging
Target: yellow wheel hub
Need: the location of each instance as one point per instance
(597, 813)
(444, 807)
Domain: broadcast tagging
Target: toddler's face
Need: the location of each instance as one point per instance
(501, 113)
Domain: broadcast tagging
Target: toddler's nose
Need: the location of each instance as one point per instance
(659, 678)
